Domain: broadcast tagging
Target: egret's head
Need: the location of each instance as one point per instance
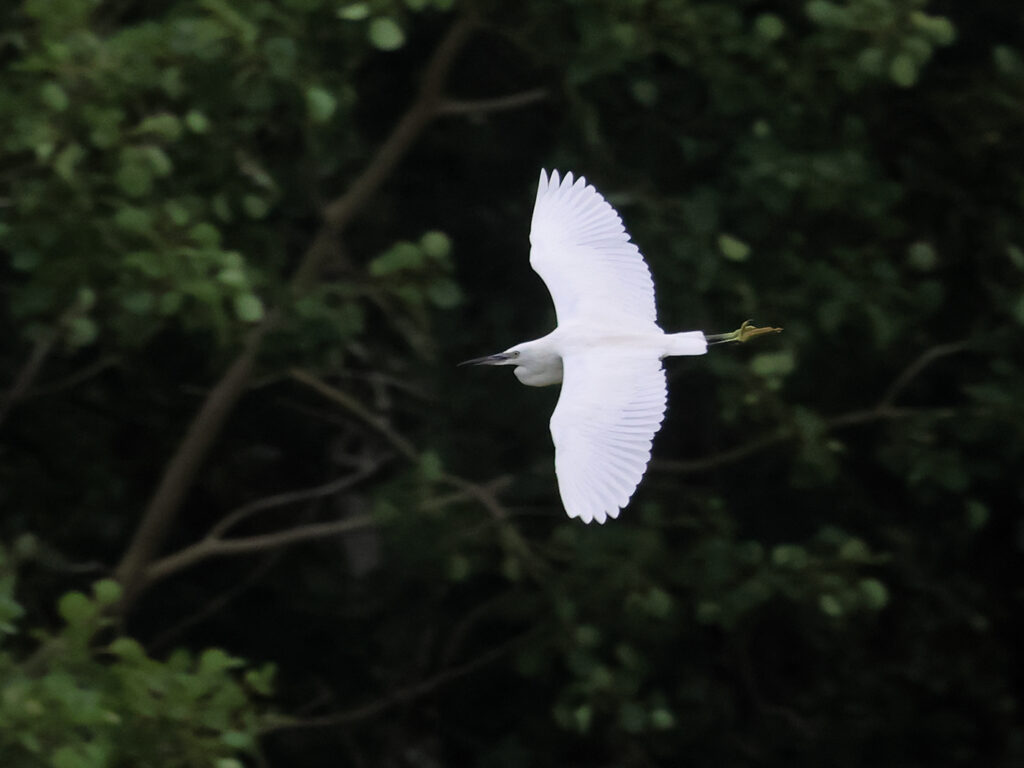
(508, 357)
(536, 363)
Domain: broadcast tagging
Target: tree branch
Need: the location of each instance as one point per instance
(184, 465)
(212, 547)
(340, 211)
(883, 411)
(215, 545)
(232, 519)
(913, 370)
(28, 372)
(181, 470)
(400, 696)
(353, 406)
(497, 104)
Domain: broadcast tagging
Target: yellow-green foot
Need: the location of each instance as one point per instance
(745, 332)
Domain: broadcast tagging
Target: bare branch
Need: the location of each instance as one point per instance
(184, 465)
(233, 518)
(73, 379)
(401, 696)
(214, 605)
(883, 411)
(357, 409)
(209, 547)
(913, 370)
(468, 491)
(27, 374)
(497, 104)
(758, 444)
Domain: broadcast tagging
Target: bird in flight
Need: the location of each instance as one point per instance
(606, 350)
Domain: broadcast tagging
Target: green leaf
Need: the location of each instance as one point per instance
(320, 104)
(261, 680)
(1018, 310)
(400, 257)
(255, 207)
(54, 97)
(164, 126)
(581, 717)
(213, 661)
(830, 605)
(789, 556)
(131, 218)
(436, 245)
(871, 61)
(248, 308)
(903, 70)
(128, 649)
(82, 331)
(157, 160)
(977, 514)
(281, 53)
(855, 550)
(733, 248)
(938, 28)
(25, 261)
(645, 92)
(444, 293)
(430, 466)
(1016, 256)
(773, 364)
(662, 719)
(134, 178)
(875, 593)
(196, 121)
(76, 609)
(354, 12)
(67, 159)
(139, 302)
(921, 256)
(769, 26)
(385, 34)
(205, 234)
(107, 591)
(239, 740)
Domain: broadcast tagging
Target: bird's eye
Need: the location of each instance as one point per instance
(515, 354)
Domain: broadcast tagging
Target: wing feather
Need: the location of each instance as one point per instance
(611, 405)
(582, 252)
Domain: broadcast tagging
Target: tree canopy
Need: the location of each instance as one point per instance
(252, 513)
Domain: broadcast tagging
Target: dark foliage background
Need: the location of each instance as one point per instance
(252, 514)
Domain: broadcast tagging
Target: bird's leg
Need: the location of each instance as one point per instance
(745, 332)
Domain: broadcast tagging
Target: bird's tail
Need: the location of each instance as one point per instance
(689, 343)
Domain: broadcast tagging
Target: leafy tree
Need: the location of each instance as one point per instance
(241, 245)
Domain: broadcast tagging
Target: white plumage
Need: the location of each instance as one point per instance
(606, 350)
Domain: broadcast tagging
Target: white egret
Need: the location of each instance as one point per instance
(606, 349)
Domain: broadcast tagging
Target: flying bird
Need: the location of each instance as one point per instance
(606, 350)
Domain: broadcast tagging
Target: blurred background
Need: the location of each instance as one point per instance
(252, 514)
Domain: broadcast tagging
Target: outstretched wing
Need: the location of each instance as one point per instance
(583, 253)
(612, 403)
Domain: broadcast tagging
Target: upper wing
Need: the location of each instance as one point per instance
(611, 405)
(582, 252)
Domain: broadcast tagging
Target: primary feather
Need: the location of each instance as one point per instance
(583, 253)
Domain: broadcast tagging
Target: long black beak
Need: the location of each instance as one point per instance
(487, 360)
